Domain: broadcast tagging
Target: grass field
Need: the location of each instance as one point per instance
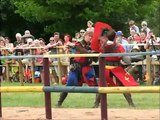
(77, 100)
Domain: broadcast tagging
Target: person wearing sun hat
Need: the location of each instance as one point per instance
(136, 70)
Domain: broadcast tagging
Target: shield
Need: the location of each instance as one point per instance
(99, 27)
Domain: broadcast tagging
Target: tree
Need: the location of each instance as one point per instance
(68, 16)
(12, 22)
(153, 17)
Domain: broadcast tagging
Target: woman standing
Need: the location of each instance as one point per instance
(2, 45)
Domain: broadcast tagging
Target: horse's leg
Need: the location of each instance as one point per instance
(128, 97)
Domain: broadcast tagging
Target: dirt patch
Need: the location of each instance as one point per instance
(23, 113)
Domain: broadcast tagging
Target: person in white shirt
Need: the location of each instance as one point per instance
(132, 26)
(145, 27)
(90, 26)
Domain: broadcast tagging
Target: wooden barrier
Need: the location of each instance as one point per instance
(74, 89)
(101, 90)
(60, 64)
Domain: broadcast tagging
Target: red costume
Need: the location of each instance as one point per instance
(121, 75)
(115, 74)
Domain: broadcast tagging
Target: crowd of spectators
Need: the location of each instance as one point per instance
(140, 39)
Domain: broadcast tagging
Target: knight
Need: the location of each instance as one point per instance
(104, 41)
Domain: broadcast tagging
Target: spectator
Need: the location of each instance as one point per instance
(9, 45)
(51, 46)
(131, 37)
(123, 41)
(27, 35)
(38, 69)
(67, 50)
(132, 26)
(77, 37)
(18, 45)
(145, 27)
(137, 70)
(42, 42)
(82, 31)
(136, 38)
(2, 61)
(90, 26)
(143, 36)
(18, 39)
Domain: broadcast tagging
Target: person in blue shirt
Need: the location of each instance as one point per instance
(123, 41)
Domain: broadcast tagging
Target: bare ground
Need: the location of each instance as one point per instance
(25, 113)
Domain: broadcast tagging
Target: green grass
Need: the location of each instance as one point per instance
(78, 100)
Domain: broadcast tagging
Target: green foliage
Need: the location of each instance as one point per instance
(62, 13)
(68, 16)
(153, 17)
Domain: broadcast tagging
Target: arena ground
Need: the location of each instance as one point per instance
(23, 113)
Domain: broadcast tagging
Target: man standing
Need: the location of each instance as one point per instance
(115, 74)
(51, 47)
(81, 70)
